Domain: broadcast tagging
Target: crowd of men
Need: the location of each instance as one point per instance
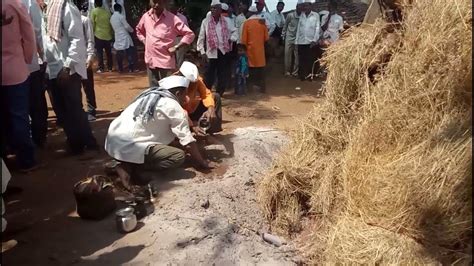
(50, 45)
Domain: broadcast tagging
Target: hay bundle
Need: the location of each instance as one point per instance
(384, 164)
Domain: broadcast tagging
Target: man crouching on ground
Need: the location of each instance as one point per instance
(201, 102)
(140, 137)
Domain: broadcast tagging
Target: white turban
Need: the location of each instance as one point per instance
(224, 6)
(189, 71)
(173, 82)
(215, 2)
(253, 9)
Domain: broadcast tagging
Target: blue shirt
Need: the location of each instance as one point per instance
(242, 65)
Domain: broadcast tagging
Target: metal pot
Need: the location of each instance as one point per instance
(143, 207)
(126, 220)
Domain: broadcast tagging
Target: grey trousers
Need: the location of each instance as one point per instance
(159, 157)
(291, 57)
(180, 53)
(155, 74)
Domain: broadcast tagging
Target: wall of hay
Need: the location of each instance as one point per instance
(383, 167)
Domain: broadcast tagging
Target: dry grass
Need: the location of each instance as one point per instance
(385, 163)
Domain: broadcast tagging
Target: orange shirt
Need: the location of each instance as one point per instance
(254, 36)
(197, 92)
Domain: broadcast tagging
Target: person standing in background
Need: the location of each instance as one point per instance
(18, 50)
(38, 106)
(158, 29)
(122, 5)
(307, 37)
(100, 18)
(173, 8)
(65, 51)
(241, 70)
(88, 84)
(289, 36)
(240, 19)
(279, 20)
(215, 44)
(123, 41)
(254, 36)
(331, 25)
(232, 57)
(260, 5)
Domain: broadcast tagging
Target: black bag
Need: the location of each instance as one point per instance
(94, 197)
(326, 25)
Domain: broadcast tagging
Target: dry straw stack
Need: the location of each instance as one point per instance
(383, 167)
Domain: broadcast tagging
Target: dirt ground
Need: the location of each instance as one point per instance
(43, 221)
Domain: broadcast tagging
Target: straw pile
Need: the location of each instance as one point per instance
(383, 167)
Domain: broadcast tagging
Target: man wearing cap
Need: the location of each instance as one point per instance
(201, 103)
(289, 36)
(140, 137)
(254, 36)
(240, 19)
(307, 37)
(215, 44)
(260, 5)
(158, 29)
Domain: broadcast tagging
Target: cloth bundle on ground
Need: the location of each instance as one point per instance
(94, 197)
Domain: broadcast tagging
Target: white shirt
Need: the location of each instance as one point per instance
(89, 37)
(128, 140)
(291, 27)
(336, 25)
(70, 51)
(239, 22)
(201, 42)
(278, 18)
(268, 21)
(123, 40)
(36, 18)
(308, 28)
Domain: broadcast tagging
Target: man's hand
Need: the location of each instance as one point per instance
(43, 67)
(313, 44)
(207, 165)
(64, 75)
(172, 49)
(199, 131)
(89, 63)
(210, 114)
(204, 59)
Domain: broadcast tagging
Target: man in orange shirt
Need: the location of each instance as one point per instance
(254, 36)
(201, 102)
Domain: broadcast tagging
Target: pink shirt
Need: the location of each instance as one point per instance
(183, 18)
(18, 42)
(159, 34)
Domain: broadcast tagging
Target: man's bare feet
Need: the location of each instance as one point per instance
(123, 171)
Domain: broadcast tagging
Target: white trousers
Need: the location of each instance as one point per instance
(291, 56)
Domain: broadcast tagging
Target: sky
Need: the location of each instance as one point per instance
(289, 4)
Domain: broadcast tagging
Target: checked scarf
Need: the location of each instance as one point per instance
(54, 18)
(212, 41)
(147, 107)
